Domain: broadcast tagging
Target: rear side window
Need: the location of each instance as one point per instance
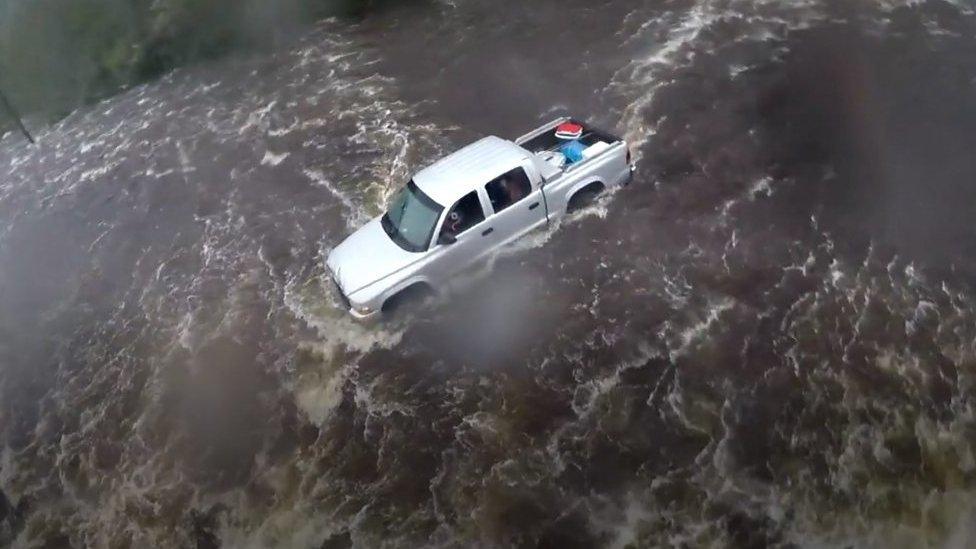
(465, 214)
(508, 189)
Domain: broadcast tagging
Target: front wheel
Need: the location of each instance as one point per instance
(408, 301)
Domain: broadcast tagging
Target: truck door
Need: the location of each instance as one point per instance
(460, 240)
(517, 205)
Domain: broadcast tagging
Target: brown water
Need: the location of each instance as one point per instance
(767, 340)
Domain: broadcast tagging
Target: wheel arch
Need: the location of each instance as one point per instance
(400, 292)
(595, 184)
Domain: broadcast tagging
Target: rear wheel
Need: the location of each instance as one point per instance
(585, 197)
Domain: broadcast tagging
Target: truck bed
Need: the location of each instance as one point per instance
(543, 141)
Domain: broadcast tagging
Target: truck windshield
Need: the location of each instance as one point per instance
(411, 219)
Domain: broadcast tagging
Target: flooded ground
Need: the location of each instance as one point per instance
(766, 340)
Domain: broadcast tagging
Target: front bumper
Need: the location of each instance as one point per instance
(348, 305)
(364, 318)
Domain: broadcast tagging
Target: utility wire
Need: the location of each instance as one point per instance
(15, 115)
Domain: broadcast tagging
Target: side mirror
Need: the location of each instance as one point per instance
(446, 239)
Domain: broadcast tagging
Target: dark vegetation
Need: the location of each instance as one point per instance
(56, 55)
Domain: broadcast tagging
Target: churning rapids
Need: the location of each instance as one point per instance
(769, 339)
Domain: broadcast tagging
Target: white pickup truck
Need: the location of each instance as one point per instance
(468, 205)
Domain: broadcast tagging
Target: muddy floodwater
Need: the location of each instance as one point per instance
(767, 340)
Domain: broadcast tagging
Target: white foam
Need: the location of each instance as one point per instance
(272, 159)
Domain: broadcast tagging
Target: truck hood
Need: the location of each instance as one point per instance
(366, 257)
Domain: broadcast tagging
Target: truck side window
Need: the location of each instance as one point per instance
(465, 214)
(508, 189)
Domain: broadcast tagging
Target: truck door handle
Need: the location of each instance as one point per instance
(488, 231)
(533, 206)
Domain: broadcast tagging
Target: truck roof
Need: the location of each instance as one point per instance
(457, 174)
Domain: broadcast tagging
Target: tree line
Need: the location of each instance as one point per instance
(56, 55)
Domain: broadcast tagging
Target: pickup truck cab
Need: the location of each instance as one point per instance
(468, 205)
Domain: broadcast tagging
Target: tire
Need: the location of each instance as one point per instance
(584, 197)
(407, 300)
